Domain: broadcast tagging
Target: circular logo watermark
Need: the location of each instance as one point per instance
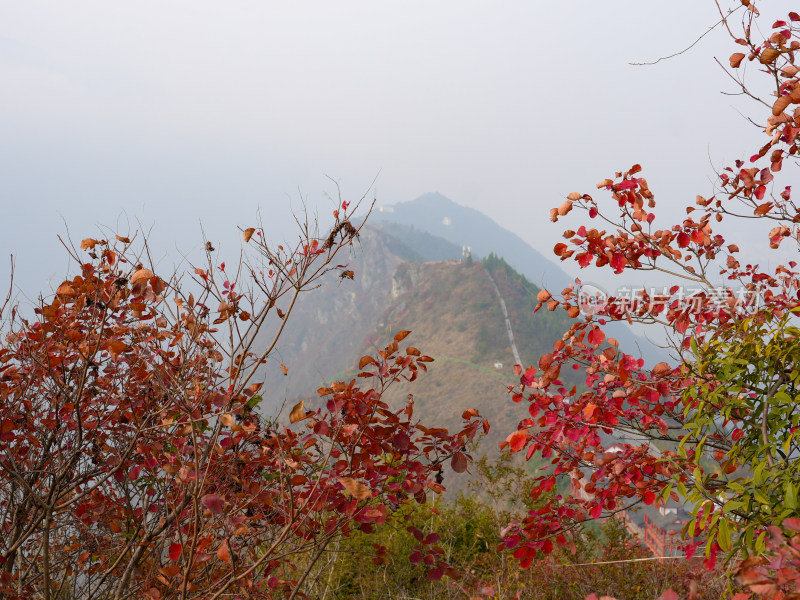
(591, 299)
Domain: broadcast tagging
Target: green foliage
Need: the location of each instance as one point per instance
(534, 333)
(743, 407)
(602, 560)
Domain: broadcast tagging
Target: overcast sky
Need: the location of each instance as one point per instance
(172, 113)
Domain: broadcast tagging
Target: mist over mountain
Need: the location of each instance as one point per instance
(437, 215)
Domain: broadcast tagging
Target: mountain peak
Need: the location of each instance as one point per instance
(439, 215)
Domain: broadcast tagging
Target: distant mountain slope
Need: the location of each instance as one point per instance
(437, 215)
(328, 325)
(429, 247)
(454, 314)
(462, 226)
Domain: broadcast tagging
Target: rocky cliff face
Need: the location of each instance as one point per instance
(455, 316)
(329, 325)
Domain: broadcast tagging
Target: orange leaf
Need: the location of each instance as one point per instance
(248, 233)
(411, 351)
(116, 347)
(357, 490)
(88, 244)
(365, 360)
(469, 413)
(780, 105)
(661, 369)
(517, 440)
(768, 55)
(736, 59)
(285, 369)
(224, 552)
(401, 335)
(65, 289)
(227, 420)
(543, 296)
(298, 413)
(763, 209)
(141, 276)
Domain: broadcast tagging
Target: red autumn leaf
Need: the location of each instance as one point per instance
(213, 502)
(517, 440)
(545, 361)
(618, 262)
(435, 574)
(596, 336)
(175, 552)
(459, 462)
(763, 209)
(792, 523)
(224, 552)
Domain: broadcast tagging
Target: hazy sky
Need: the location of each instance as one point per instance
(172, 113)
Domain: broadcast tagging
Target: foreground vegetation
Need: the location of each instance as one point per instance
(134, 462)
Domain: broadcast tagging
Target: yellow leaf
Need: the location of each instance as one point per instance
(298, 413)
(357, 490)
(227, 420)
